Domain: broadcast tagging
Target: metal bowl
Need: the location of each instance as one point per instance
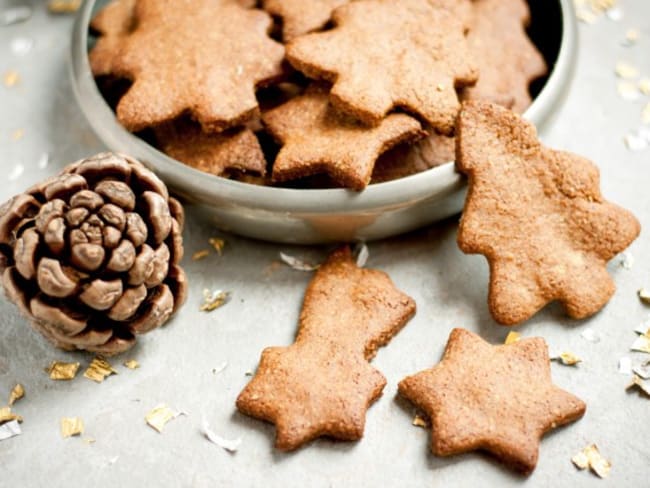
(319, 216)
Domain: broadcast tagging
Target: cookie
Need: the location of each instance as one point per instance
(409, 159)
(316, 138)
(301, 16)
(217, 154)
(112, 23)
(499, 399)
(322, 384)
(538, 217)
(507, 60)
(202, 57)
(384, 54)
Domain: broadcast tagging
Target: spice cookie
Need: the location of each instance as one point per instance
(301, 16)
(499, 399)
(507, 60)
(384, 54)
(322, 384)
(202, 57)
(538, 217)
(316, 138)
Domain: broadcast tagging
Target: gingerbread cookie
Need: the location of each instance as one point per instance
(318, 139)
(217, 154)
(507, 60)
(112, 23)
(499, 399)
(538, 217)
(409, 159)
(202, 57)
(384, 54)
(301, 16)
(322, 384)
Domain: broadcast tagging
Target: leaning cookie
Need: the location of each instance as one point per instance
(322, 385)
(202, 57)
(538, 217)
(499, 399)
(316, 138)
(508, 61)
(384, 54)
(217, 154)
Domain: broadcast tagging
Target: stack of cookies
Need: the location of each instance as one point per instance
(310, 93)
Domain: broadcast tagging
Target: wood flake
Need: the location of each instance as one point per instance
(590, 457)
(6, 415)
(131, 364)
(567, 358)
(159, 416)
(639, 384)
(62, 371)
(641, 344)
(71, 426)
(230, 445)
(16, 394)
(63, 6)
(628, 90)
(99, 369)
(512, 337)
(297, 263)
(202, 254)
(213, 300)
(11, 78)
(9, 430)
(418, 421)
(217, 244)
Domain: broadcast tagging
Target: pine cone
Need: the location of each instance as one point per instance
(91, 256)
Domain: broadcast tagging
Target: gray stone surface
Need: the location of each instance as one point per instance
(450, 290)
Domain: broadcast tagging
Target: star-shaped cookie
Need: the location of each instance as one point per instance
(322, 384)
(216, 154)
(384, 54)
(301, 16)
(112, 23)
(206, 62)
(499, 399)
(316, 138)
(538, 217)
(507, 59)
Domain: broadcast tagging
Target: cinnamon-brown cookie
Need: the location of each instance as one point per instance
(112, 23)
(213, 153)
(202, 57)
(318, 139)
(538, 217)
(301, 16)
(507, 60)
(499, 399)
(384, 54)
(322, 384)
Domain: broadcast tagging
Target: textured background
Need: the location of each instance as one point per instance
(450, 290)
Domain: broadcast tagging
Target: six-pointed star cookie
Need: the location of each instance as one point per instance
(384, 54)
(316, 138)
(322, 384)
(499, 399)
(538, 217)
(507, 59)
(112, 23)
(301, 16)
(206, 62)
(213, 153)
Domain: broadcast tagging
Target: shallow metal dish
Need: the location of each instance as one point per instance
(318, 216)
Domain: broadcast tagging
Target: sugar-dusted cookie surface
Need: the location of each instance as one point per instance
(384, 54)
(301, 16)
(538, 217)
(322, 384)
(499, 399)
(202, 57)
(316, 138)
(507, 59)
(216, 154)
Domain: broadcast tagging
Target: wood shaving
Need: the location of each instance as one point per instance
(6, 415)
(43, 161)
(590, 335)
(567, 358)
(230, 445)
(202, 254)
(644, 295)
(643, 370)
(641, 344)
(635, 143)
(62, 371)
(297, 264)
(11, 78)
(16, 136)
(16, 394)
(628, 90)
(21, 46)
(420, 422)
(63, 6)
(131, 364)
(71, 426)
(625, 365)
(362, 253)
(212, 300)
(512, 337)
(220, 369)
(640, 385)
(627, 260)
(626, 70)
(159, 416)
(9, 430)
(217, 244)
(631, 37)
(99, 369)
(590, 457)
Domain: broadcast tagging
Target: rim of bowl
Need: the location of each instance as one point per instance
(204, 188)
